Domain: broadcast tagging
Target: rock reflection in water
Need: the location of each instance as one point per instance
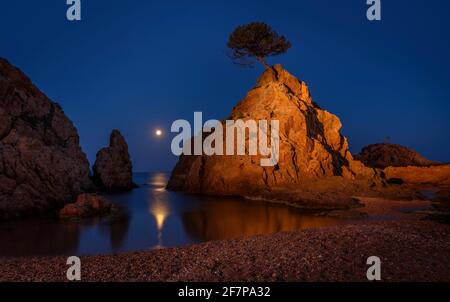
(229, 218)
(117, 230)
(38, 238)
(153, 218)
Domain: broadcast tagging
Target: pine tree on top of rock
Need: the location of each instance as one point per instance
(256, 41)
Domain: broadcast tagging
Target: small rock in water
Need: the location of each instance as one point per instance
(113, 167)
(88, 205)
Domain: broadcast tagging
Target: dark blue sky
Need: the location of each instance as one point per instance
(137, 65)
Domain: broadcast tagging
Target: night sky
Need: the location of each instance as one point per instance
(139, 65)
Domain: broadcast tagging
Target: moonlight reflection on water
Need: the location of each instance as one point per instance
(154, 218)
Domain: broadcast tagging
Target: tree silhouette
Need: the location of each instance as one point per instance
(256, 40)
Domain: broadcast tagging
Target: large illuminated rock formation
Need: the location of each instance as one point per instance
(315, 165)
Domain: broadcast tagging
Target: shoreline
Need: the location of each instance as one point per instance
(337, 253)
(323, 254)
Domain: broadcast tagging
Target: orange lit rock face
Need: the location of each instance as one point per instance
(436, 175)
(311, 146)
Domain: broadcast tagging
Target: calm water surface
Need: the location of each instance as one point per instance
(154, 218)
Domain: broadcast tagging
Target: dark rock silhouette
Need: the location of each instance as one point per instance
(42, 165)
(113, 167)
(391, 155)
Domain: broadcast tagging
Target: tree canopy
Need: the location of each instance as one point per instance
(256, 41)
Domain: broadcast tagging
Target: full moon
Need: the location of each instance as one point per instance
(158, 132)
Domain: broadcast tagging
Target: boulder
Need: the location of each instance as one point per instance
(391, 155)
(314, 167)
(42, 166)
(88, 205)
(113, 167)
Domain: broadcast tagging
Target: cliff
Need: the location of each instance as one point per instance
(42, 165)
(315, 167)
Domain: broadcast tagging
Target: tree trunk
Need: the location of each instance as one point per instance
(263, 62)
